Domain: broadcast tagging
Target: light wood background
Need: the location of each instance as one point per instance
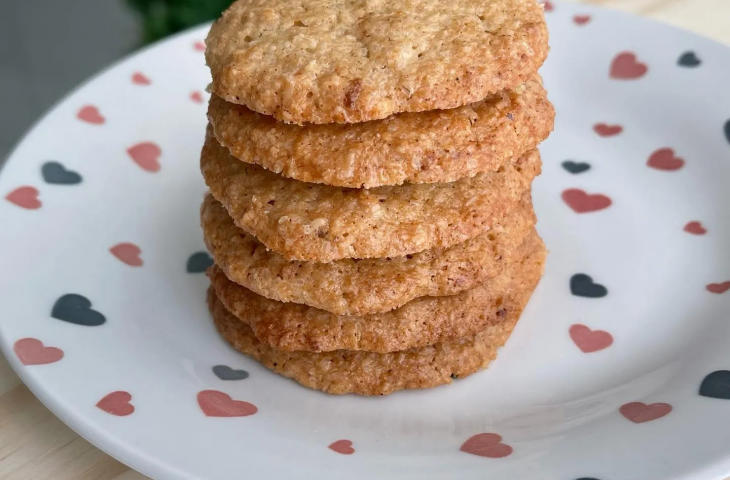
(35, 445)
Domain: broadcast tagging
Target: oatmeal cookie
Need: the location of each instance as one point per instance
(320, 223)
(420, 322)
(426, 147)
(347, 61)
(361, 287)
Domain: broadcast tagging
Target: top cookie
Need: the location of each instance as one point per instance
(348, 61)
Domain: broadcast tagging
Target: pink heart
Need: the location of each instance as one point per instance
(117, 403)
(626, 67)
(588, 340)
(581, 202)
(639, 412)
(128, 253)
(199, 46)
(607, 130)
(695, 228)
(140, 79)
(196, 97)
(342, 446)
(90, 114)
(25, 197)
(664, 159)
(581, 19)
(31, 351)
(486, 445)
(218, 404)
(146, 155)
(718, 287)
(548, 5)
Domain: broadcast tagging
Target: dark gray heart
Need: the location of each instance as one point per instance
(689, 59)
(582, 285)
(727, 131)
(199, 262)
(576, 167)
(224, 372)
(716, 385)
(56, 174)
(74, 308)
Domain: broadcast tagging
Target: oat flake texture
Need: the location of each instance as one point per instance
(348, 61)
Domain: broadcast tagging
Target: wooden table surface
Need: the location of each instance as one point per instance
(35, 445)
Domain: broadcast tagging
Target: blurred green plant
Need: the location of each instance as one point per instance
(164, 17)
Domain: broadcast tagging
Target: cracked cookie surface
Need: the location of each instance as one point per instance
(347, 61)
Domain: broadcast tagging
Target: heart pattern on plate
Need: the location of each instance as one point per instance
(25, 197)
(139, 78)
(342, 446)
(626, 66)
(716, 385)
(576, 167)
(117, 404)
(589, 341)
(146, 155)
(31, 351)
(582, 285)
(224, 372)
(76, 309)
(639, 412)
(56, 174)
(718, 288)
(218, 404)
(582, 202)
(689, 59)
(605, 130)
(90, 114)
(199, 262)
(695, 228)
(665, 159)
(128, 253)
(486, 445)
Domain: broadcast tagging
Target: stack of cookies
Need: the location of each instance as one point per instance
(370, 166)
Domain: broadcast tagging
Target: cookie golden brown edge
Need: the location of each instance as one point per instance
(320, 223)
(348, 61)
(420, 322)
(427, 147)
(361, 287)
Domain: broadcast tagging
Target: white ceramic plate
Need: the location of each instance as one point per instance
(622, 377)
